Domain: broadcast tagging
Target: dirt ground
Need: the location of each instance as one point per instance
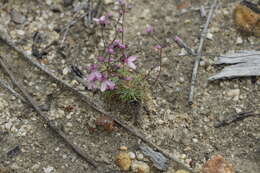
(186, 131)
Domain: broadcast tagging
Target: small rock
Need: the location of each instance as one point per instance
(217, 164)
(234, 93)
(66, 70)
(183, 156)
(182, 79)
(239, 40)
(35, 167)
(140, 156)
(183, 52)
(202, 63)
(48, 2)
(8, 125)
(124, 161)
(69, 124)
(123, 148)
(140, 167)
(17, 17)
(132, 155)
(49, 169)
(20, 32)
(181, 171)
(195, 140)
(209, 36)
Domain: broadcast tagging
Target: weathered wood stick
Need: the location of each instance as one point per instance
(53, 127)
(199, 52)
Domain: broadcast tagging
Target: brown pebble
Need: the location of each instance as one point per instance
(217, 164)
(123, 160)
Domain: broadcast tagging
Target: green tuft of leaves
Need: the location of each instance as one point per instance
(128, 91)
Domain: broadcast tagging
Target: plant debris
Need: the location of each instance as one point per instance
(241, 64)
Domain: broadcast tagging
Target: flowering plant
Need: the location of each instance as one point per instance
(115, 72)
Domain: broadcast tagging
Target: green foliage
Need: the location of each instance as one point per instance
(127, 91)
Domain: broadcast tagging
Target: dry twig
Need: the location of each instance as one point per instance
(33, 104)
(235, 118)
(199, 52)
(4, 84)
(88, 100)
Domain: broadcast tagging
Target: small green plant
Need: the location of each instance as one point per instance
(116, 74)
(128, 91)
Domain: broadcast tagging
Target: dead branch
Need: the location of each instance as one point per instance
(4, 84)
(234, 118)
(86, 99)
(33, 104)
(199, 52)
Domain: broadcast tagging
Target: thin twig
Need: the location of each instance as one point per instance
(87, 100)
(235, 118)
(33, 104)
(197, 61)
(4, 84)
(182, 44)
(71, 23)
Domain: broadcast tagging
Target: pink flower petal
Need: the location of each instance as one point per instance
(110, 84)
(103, 87)
(131, 58)
(131, 65)
(91, 77)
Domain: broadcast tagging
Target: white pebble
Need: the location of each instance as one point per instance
(131, 155)
(209, 36)
(49, 169)
(239, 40)
(140, 156)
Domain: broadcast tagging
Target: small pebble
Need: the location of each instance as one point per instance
(17, 17)
(239, 40)
(123, 148)
(182, 79)
(123, 161)
(69, 124)
(49, 169)
(234, 93)
(132, 155)
(183, 156)
(140, 156)
(217, 164)
(195, 140)
(209, 36)
(140, 167)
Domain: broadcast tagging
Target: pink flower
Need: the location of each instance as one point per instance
(107, 84)
(129, 61)
(149, 29)
(94, 75)
(116, 42)
(121, 46)
(101, 58)
(158, 46)
(110, 50)
(102, 20)
(110, 59)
